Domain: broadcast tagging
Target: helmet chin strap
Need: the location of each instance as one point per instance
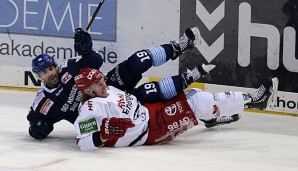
(91, 92)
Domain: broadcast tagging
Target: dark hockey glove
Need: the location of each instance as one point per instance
(40, 130)
(114, 127)
(82, 42)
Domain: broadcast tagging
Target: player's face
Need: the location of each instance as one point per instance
(50, 76)
(100, 88)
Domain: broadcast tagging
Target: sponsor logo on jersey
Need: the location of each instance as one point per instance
(125, 102)
(73, 100)
(37, 100)
(88, 126)
(58, 93)
(65, 78)
(90, 106)
(117, 75)
(175, 129)
(46, 106)
(172, 109)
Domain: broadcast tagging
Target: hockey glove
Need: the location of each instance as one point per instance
(114, 127)
(40, 130)
(82, 42)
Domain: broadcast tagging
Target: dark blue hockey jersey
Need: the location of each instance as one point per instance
(55, 104)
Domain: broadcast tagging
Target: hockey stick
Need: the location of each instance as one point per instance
(94, 14)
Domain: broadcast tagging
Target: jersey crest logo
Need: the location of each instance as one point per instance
(46, 106)
(172, 109)
(66, 77)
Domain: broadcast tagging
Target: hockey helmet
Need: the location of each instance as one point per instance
(41, 62)
(86, 77)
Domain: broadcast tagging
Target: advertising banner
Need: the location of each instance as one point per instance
(31, 27)
(248, 40)
(57, 18)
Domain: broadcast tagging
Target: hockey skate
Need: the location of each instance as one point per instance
(221, 120)
(199, 71)
(265, 96)
(190, 38)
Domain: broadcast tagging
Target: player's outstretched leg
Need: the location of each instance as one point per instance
(190, 38)
(221, 120)
(265, 96)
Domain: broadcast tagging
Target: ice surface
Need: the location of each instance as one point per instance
(256, 142)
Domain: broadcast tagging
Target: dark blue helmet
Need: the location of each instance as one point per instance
(42, 62)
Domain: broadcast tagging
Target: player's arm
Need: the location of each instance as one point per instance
(42, 116)
(111, 129)
(83, 46)
(39, 127)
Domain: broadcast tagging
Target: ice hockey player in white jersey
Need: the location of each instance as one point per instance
(109, 117)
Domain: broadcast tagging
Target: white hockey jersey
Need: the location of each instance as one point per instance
(118, 104)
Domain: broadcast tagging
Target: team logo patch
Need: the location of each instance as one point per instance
(66, 77)
(46, 106)
(37, 100)
(88, 126)
(171, 110)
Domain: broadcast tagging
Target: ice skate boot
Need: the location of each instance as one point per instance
(221, 120)
(194, 75)
(190, 38)
(265, 96)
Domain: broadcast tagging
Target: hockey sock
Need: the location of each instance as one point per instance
(171, 86)
(161, 54)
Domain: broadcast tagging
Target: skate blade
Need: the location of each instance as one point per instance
(273, 98)
(198, 40)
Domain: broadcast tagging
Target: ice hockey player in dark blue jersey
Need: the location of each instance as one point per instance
(59, 98)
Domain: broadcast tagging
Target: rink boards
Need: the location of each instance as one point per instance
(21, 78)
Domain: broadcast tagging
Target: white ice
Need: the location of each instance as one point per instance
(258, 142)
